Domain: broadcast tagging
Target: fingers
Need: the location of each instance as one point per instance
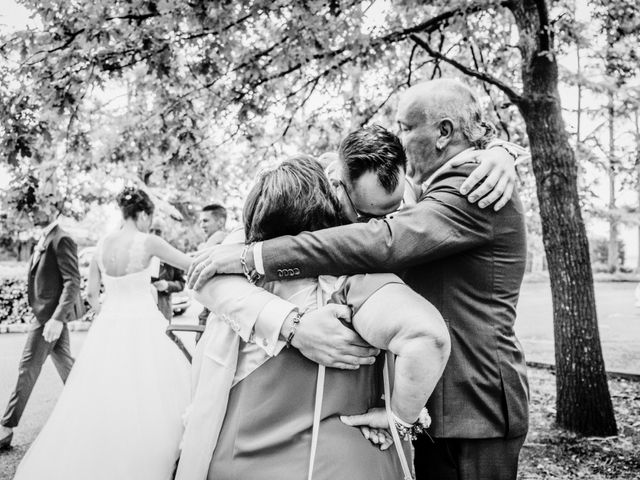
(194, 269)
(377, 436)
(388, 441)
(342, 312)
(463, 157)
(496, 193)
(356, 420)
(474, 177)
(353, 360)
(199, 258)
(489, 183)
(206, 274)
(341, 365)
(505, 197)
(202, 272)
(353, 356)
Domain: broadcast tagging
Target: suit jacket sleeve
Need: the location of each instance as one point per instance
(441, 224)
(253, 312)
(176, 282)
(67, 258)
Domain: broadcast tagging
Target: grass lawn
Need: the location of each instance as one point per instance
(618, 321)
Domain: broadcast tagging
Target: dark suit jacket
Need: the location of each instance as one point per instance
(54, 280)
(175, 282)
(469, 264)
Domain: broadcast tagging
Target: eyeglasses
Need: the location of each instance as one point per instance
(360, 216)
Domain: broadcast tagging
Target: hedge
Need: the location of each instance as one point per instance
(14, 304)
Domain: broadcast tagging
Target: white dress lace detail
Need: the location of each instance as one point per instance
(137, 254)
(119, 414)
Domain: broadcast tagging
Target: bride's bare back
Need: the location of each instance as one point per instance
(123, 253)
(126, 252)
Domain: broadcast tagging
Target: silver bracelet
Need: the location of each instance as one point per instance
(252, 275)
(512, 153)
(294, 326)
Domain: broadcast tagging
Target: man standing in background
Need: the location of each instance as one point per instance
(54, 297)
(170, 280)
(213, 220)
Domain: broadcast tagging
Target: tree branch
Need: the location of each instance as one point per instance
(545, 32)
(486, 89)
(485, 77)
(300, 105)
(375, 110)
(413, 51)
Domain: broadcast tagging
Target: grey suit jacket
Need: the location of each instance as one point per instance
(54, 280)
(175, 283)
(469, 264)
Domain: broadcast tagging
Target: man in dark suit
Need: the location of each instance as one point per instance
(168, 281)
(54, 297)
(467, 261)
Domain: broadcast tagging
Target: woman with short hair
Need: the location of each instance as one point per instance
(284, 417)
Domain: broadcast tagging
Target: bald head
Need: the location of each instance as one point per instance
(437, 120)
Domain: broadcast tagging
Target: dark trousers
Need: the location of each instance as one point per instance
(467, 459)
(202, 320)
(35, 352)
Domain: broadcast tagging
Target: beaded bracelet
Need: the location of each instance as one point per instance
(410, 431)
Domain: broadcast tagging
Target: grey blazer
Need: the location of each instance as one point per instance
(469, 263)
(54, 280)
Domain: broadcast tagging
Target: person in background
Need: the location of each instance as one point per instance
(54, 297)
(169, 280)
(213, 220)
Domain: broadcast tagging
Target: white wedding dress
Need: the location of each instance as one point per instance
(119, 416)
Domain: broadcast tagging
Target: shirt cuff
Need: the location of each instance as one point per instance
(257, 258)
(266, 333)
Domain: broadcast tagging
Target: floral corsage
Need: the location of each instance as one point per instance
(410, 431)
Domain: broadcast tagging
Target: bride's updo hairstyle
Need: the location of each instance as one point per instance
(132, 201)
(294, 197)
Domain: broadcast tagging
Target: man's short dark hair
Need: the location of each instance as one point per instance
(216, 210)
(373, 149)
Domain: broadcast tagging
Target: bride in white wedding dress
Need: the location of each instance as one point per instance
(119, 415)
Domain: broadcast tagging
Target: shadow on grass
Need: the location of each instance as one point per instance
(551, 452)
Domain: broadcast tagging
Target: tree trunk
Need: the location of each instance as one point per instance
(579, 114)
(637, 135)
(583, 401)
(612, 254)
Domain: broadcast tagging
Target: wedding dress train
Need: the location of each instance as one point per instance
(119, 416)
